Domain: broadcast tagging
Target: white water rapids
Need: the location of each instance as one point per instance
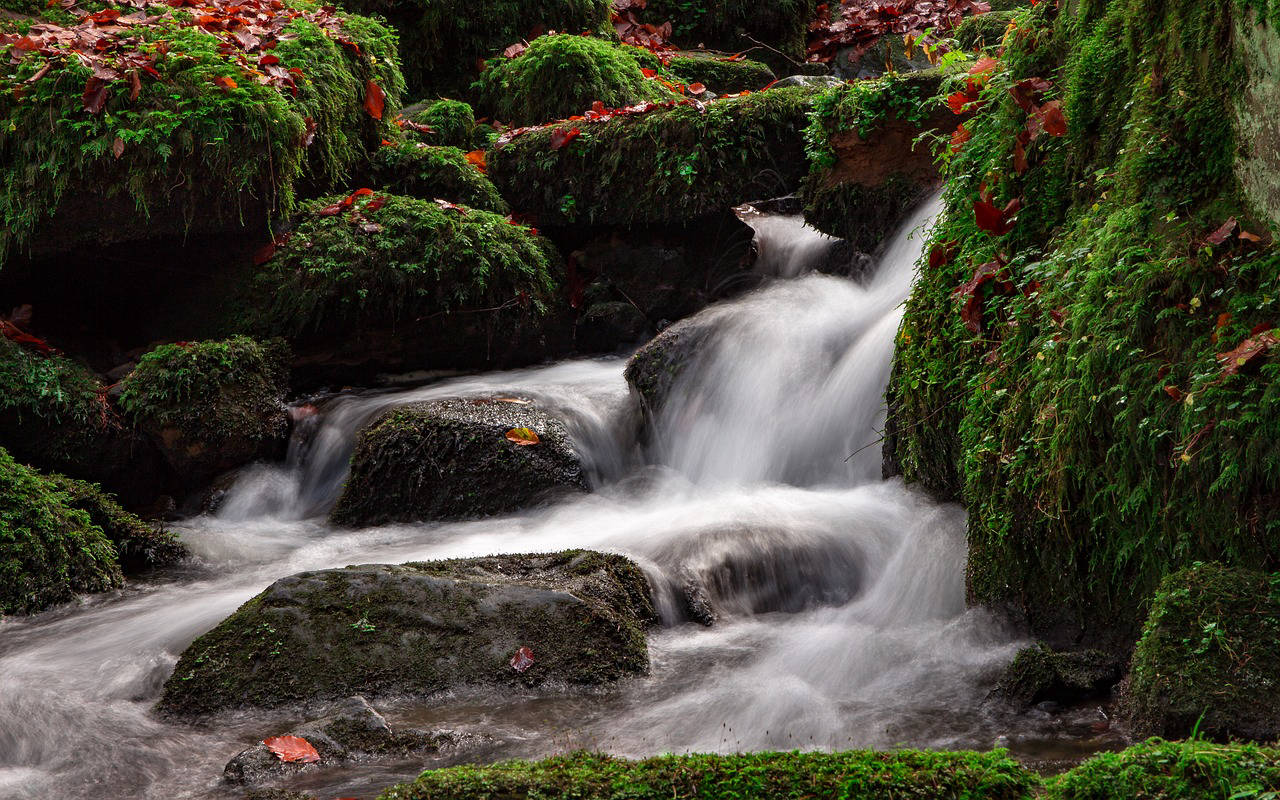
(849, 627)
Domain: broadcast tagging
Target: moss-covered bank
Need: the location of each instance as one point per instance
(661, 167)
(422, 628)
(1079, 392)
(428, 172)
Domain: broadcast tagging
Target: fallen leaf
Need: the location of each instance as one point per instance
(292, 749)
(1052, 118)
(117, 147)
(374, 99)
(1247, 353)
(479, 160)
(561, 137)
(522, 436)
(1223, 233)
(522, 660)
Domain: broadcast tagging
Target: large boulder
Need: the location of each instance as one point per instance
(656, 367)
(455, 459)
(431, 172)
(210, 406)
(420, 629)
(1158, 769)
(1209, 657)
(722, 73)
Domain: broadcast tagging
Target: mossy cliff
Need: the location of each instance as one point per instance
(183, 131)
(661, 167)
(422, 628)
(1090, 375)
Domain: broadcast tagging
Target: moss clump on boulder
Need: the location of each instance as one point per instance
(1085, 406)
(719, 74)
(200, 145)
(983, 31)
(561, 75)
(451, 459)
(661, 167)
(787, 776)
(428, 172)
(211, 406)
(1209, 656)
(50, 550)
(441, 40)
(422, 628)
(453, 124)
(139, 545)
(1039, 673)
(1192, 770)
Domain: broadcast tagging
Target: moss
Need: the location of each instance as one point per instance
(662, 167)
(562, 75)
(50, 550)
(983, 31)
(195, 156)
(730, 25)
(335, 278)
(442, 40)
(428, 172)
(1159, 770)
(862, 215)
(1208, 659)
(453, 124)
(139, 545)
(1088, 426)
(858, 774)
(1039, 673)
(422, 628)
(719, 74)
(451, 459)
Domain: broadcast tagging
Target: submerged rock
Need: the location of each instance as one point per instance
(352, 731)
(452, 459)
(422, 628)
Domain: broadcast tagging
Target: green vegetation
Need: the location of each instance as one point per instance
(453, 124)
(1039, 673)
(1209, 656)
(50, 550)
(727, 24)
(559, 76)
(983, 31)
(665, 166)
(441, 40)
(139, 545)
(422, 628)
(1159, 770)
(193, 154)
(396, 264)
(1083, 414)
(719, 74)
(429, 173)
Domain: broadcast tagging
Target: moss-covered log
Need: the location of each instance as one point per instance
(422, 628)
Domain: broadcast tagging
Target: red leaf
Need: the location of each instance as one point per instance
(971, 290)
(522, 660)
(225, 82)
(1174, 392)
(523, 437)
(117, 147)
(696, 88)
(942, 253)
(993, 220)
(959, 138)
(105, 17)
(1223, 233)
(515, 50)
(94, 97)
(479, 160)
(1247, 353)
(1052, 118)
(560, 137)
(375, 204)
(374, 99)
(264, 254)
(292, 749)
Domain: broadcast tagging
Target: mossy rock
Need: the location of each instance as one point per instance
(656, 368)
(663, 167)
(1209, 656)
(140, 546)
(562, 75)
(451, 459)
(55, 415)
(195, 155)
(453, 124)
(211, 406)
(1038, 674)
(408, 285)
(731, 25)
(889, 55)
(926, 775)
(1086, 417)
(420, 629)
(719, 74)
(442, 40)
(1191, 770)
(983, 31)
(50, 550)
(427, 172)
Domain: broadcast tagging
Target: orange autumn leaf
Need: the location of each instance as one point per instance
(478, 159)
(292, 749)
(374, 99)
(522, 436)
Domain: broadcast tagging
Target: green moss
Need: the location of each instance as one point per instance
(422, 628)
(863, 107)
(730, 25)
(859, 774)
(429, 172)
(1089, 427)
(454, 125)
(662, 167)
(335, 278)
(1039, 673)
(1159, 770)
(50, 550)
(195, 155)
(983, 31)
(441, 40)
(139, 545)
(1208, 658)
(562, 75)
(719, 74)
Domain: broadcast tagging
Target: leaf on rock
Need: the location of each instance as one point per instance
(479, 160)
(523, 436)
(117, 147)
(374, 99)
(522, 660)
(1052, 119)
(292, 749)
(561, 137)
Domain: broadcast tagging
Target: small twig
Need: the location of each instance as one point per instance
(759, 43)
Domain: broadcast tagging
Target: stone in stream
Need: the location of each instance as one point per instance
(352, 731)
(452, 459)
(422, 628)
(655, 368)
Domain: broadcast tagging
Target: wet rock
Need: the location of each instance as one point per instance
(422, 628)
(807, 81)
(352, 732)
(277, 794)
(610, 326)
(889, 54)
(451, 459)
(1039, 674)
(655, 368)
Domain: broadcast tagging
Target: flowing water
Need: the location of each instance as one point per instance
(843, 621)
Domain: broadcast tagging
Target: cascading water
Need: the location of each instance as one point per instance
(840, 596)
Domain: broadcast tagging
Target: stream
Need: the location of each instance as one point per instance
(846, 623)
